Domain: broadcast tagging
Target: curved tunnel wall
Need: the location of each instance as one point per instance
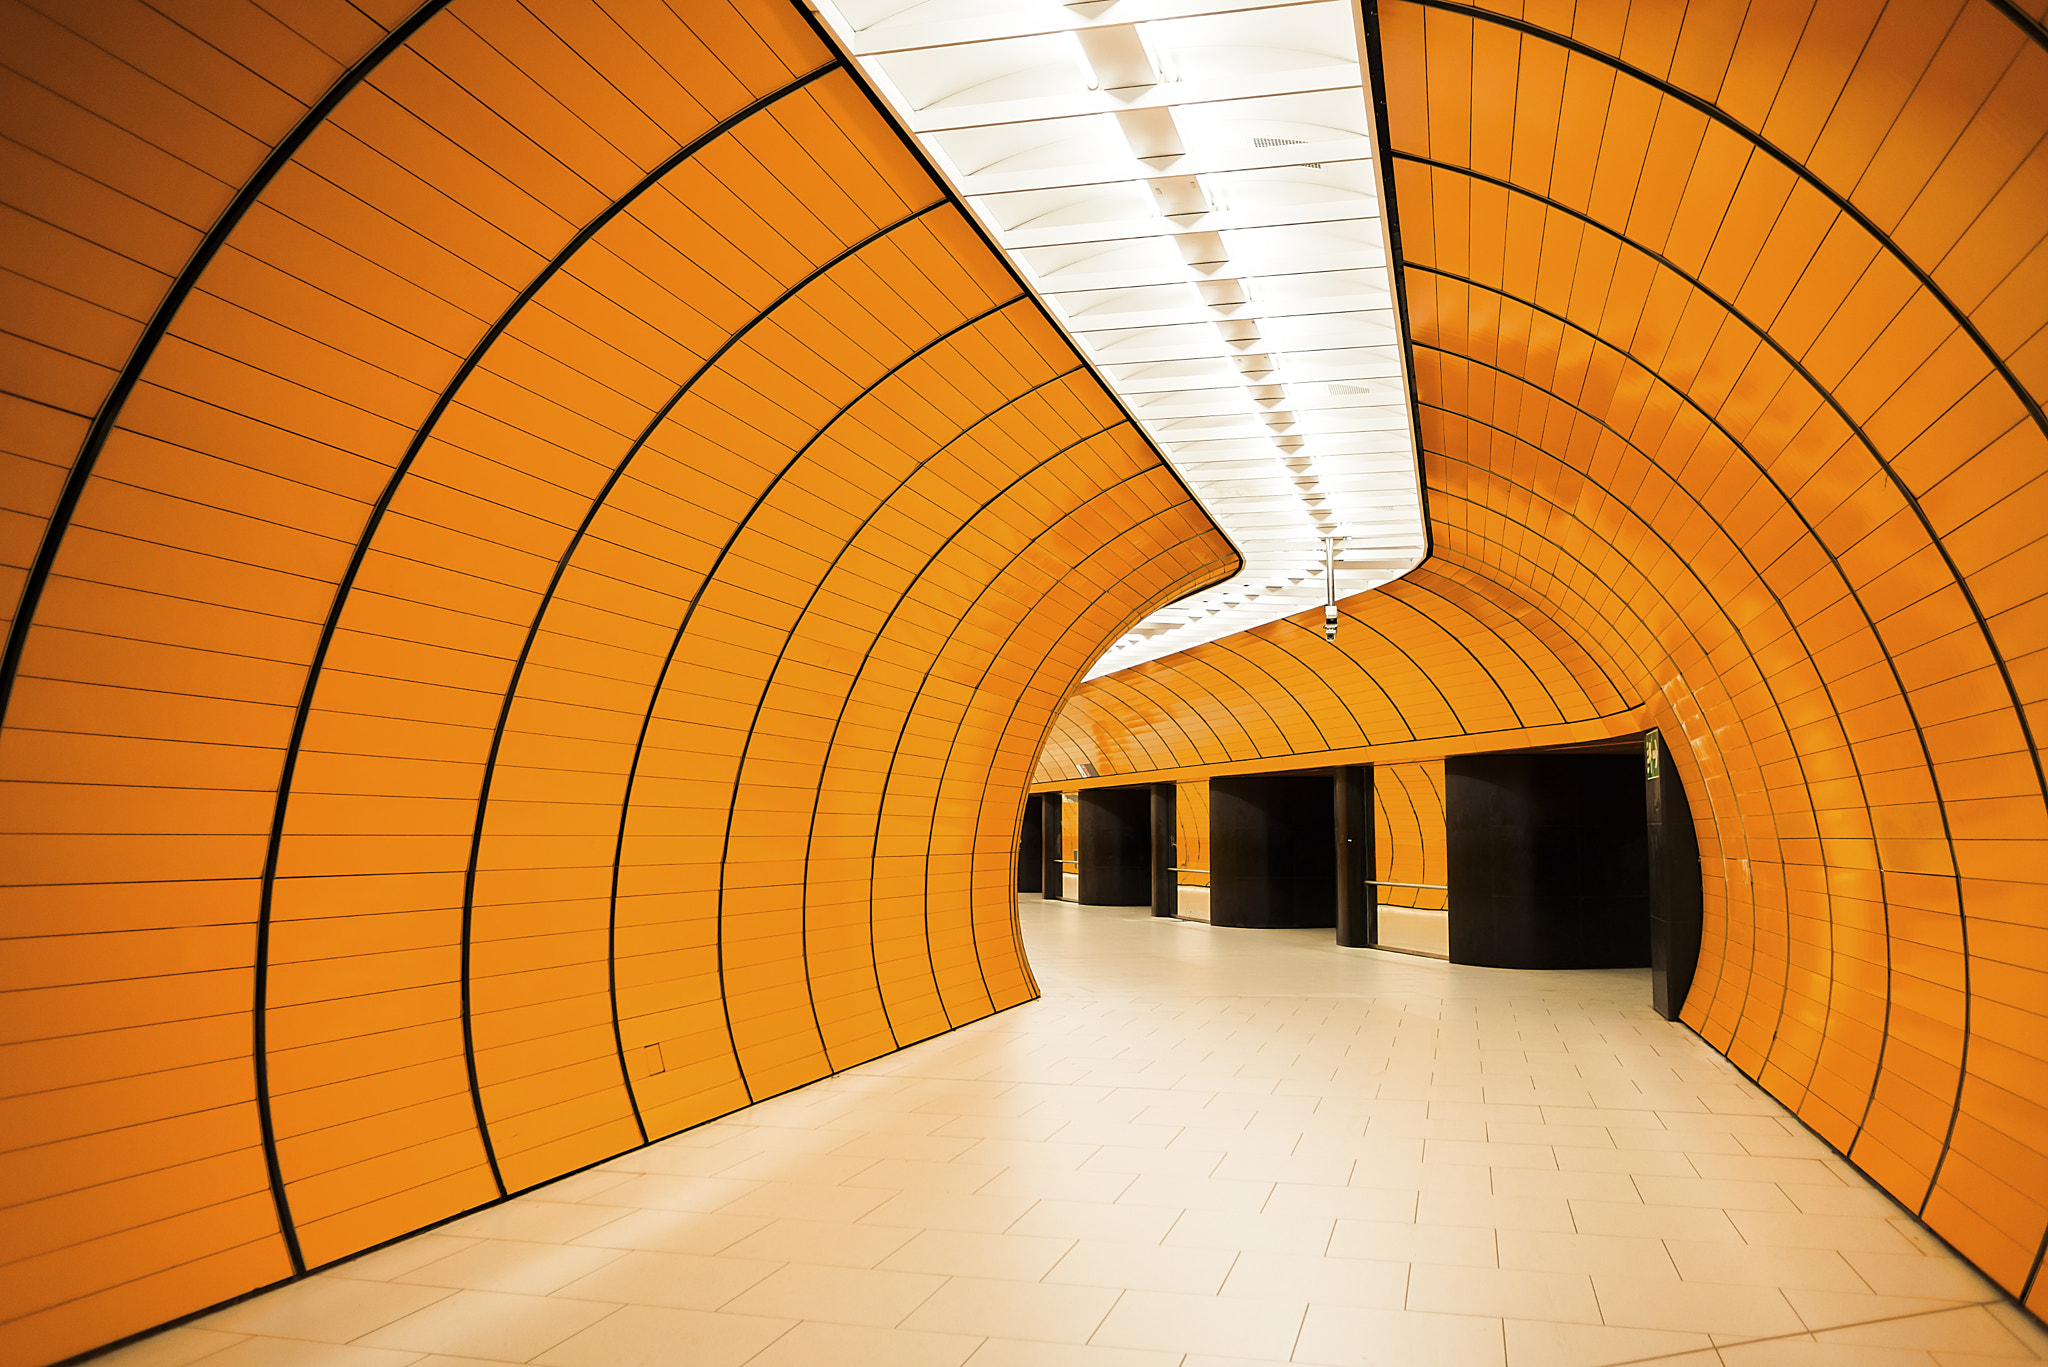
(1730, 352)
(543, 571)
(1409, 839)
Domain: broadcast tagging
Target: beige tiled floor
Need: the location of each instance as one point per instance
(1402, 928)
(1419, 932)
(1202, 1148)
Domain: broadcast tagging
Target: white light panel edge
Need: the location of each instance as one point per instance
(1189, 186)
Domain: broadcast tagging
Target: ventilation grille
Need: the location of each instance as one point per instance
(1285, 142)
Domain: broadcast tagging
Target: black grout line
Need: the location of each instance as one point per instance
(2007, 1297)
(1799, 170)
(540, 1186)
(1002, 258)
(1372, 58)
(345, 585)
(1913, 504)
(1280, 763)
(597, 503)
(2033, 28)
(768, 679)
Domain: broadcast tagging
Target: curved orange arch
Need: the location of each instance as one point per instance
(538, 576)
(1730, 405)
(544, 636)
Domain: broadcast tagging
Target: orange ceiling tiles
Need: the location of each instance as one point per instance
(1730, 345)
(542, 570)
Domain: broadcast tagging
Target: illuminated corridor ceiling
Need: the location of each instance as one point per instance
(1189, 184)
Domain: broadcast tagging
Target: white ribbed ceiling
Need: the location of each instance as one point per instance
(1190, 187)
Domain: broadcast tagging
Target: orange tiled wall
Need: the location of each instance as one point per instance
(1409, 839)
(1728, 332)
(543, 570)
(1191, 832)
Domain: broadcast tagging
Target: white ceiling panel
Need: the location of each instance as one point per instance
(1189, 186)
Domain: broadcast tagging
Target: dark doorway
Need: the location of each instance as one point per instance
(1549, 859)
(1052, 882)
(1031, 846)
(1116, 847)
(1676, 896)
(1165, 849)
(1358, 891)
(1272, 851)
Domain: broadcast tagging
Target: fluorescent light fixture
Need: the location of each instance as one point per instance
(1189, 186)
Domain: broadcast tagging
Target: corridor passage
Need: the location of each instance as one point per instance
(1200, 1148)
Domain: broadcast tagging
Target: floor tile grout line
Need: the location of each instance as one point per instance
(1141, 1061)
(1806, 1334)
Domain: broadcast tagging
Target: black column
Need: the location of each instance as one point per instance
(1358, 896)
(1116, 847)
(1052, 885)
(1165, 850)
(1549, 860)
(1676, 896)
(1272, 851)
(1031, 847)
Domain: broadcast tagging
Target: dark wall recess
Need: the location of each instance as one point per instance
(1548, 859)
(1272, 851)
(1116, 847)
(1165, 852)
(1358, 899)
(1051, 872)
(1676, 896)
(1031, 846)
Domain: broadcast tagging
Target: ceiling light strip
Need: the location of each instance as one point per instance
(1190, 188)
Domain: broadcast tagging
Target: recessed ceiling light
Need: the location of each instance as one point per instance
(1189, 186)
